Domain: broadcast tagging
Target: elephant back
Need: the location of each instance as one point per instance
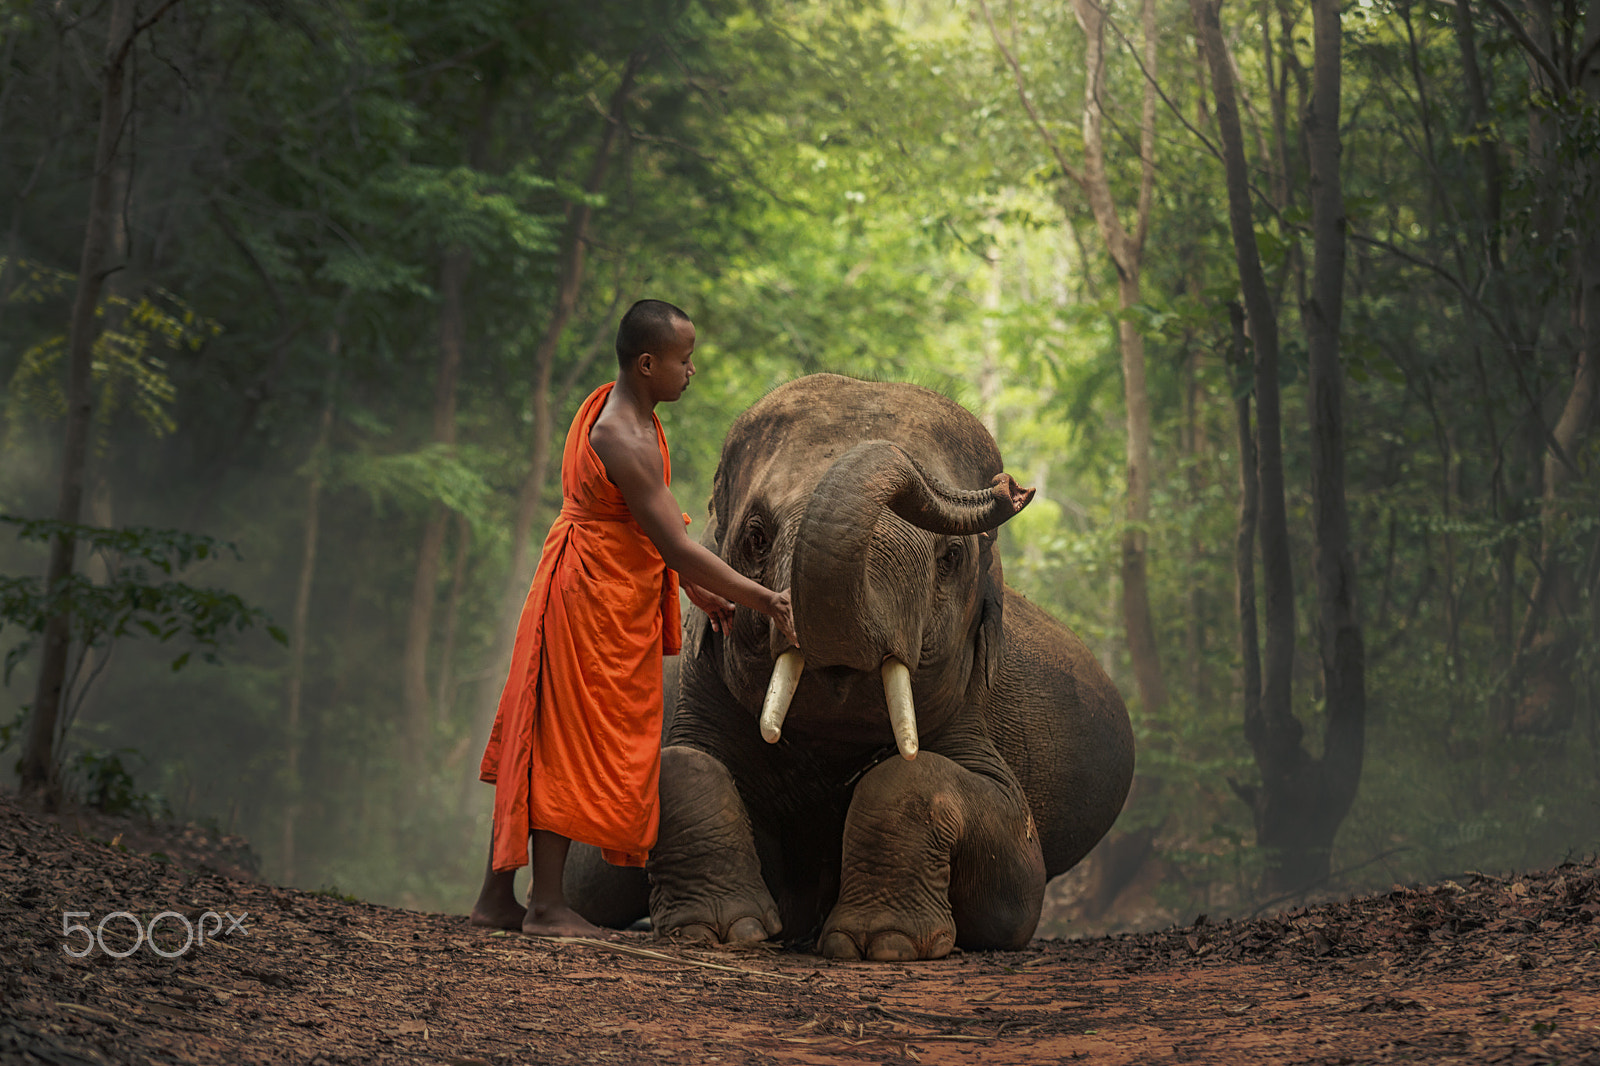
(1058, 720)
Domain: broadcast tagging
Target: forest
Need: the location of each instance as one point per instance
(1289, 310)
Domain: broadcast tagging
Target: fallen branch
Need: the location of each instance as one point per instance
(659, 956)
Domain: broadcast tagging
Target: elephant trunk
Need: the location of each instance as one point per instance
(843, 616)
(855, 604)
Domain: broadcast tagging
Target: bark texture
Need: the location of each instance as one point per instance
(292, 729)
(39, 769)
(1302, 799)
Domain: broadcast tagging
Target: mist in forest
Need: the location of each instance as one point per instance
(298, 299)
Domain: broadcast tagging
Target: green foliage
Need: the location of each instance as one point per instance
(125, 369)
(130, 602)
(331, 891)
(103, 779)
(433, 474)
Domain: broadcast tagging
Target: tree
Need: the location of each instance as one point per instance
(39, 775)
(1302, 798)
(1123, 854)
(1126, 248)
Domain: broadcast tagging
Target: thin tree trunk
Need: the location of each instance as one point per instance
(417, 706)
(1244, 543)
(444, 698)
(574, 242)
(1483, 131)
(989, 364)
(96, 569)
(1277, 576)
(39, 771)
(1122, 854)
(574, 246)
(1543, 665)
(418, 720)
(1279, 805)
(1127, 254)
(1194, 444)
(1340, 638)
(301, 624)
(1277, 98)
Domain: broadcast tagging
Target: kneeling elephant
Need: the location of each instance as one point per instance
(907, 780)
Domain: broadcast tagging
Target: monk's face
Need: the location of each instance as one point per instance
(673, 366)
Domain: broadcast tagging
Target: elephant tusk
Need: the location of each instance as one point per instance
(780, 690)
(902, 711)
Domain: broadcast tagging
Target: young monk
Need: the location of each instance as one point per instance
(575, 752)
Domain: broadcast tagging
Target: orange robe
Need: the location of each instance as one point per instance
(576, 746)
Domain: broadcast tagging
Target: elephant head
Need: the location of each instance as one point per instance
(897, 594)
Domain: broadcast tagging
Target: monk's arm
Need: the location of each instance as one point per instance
(637, 474)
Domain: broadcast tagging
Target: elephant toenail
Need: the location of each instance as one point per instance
(837, 945)
(697, 933)
(892, 947)
(746, 931)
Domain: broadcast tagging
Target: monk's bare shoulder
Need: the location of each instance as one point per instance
(627, 448)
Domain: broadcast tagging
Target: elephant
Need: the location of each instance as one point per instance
(905, 782)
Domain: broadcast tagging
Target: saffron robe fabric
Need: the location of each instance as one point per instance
(576, 745)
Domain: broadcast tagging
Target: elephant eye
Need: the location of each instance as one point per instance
(756, 540)
(955, 553)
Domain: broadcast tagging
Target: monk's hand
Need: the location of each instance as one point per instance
(719, 610)
(782, 613)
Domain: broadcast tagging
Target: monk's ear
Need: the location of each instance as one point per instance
(645, 364)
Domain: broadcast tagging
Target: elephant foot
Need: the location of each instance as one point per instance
(742, 933)
(723, 924)
(912, 826)
(887, 945)
(706, 882)
(895, 902)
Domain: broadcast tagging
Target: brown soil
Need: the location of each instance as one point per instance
(1492, 970)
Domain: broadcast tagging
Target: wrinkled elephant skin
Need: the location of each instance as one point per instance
(875, 504)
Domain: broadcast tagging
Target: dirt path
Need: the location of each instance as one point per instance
(1496, 971)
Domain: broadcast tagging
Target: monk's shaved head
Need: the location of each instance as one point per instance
(649, 326)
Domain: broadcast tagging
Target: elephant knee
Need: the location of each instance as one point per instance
(699, 801)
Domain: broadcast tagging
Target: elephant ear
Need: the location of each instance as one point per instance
(696, 625)
(990, 647)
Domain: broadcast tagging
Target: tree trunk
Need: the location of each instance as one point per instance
(1244, 541)
(1301, 800)
(445, 697)
(1121, 855)
(302, 619)
(1126, 251)
(574, 240)
(92, 661)
(1194, 446)
(1127, 254)
(1339, 637)
(1543, 664)
(39, 770)
(418, 721)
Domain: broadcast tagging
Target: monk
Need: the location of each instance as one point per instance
(575, 751)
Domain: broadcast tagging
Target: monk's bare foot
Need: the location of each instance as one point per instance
(557, 921)
(497, 915)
